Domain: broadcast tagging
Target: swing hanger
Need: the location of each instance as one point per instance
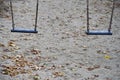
(24, 30)
(94, 32)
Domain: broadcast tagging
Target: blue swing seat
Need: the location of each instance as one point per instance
(94, 32)
(24, 31)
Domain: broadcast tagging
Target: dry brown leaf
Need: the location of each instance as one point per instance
(102, 52)
(10, 70)
(84, 47)
(35, 51)
(90, 68)
(16, 48)
(6, 57)
(12, 44)
(19, 67)
(30, 64)
(2, 45)
(28, 38)
(58, 74)
(35, 67)
(93, 67)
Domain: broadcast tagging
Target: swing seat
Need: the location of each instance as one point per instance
(94, 32)
(24, 31)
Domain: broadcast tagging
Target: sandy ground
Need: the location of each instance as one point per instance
(61, 50)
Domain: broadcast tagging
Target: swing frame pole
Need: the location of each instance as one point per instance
(24, 30)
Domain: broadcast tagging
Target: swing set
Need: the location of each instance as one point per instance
(88, 32)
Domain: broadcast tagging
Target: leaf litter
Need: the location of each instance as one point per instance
(58, 74)
(13, 46)
(19, 67)
(93, 67)
(35, 51)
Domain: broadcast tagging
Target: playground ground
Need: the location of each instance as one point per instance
(60, 50)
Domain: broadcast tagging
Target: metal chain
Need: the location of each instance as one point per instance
(36, 14)
(13, 25)
(87, 15)
(111, 19)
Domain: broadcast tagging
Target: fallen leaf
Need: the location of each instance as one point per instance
(6, 57)
(10, 70)
(2, 45)
(84, 47)
(16, 48)
(20, 63)
(58, 74)
(35, 67)
(12, 44)
(27, 38)
(107, 57)
(90, 68)
(93, 67)
(35, 51)
(102, 52)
